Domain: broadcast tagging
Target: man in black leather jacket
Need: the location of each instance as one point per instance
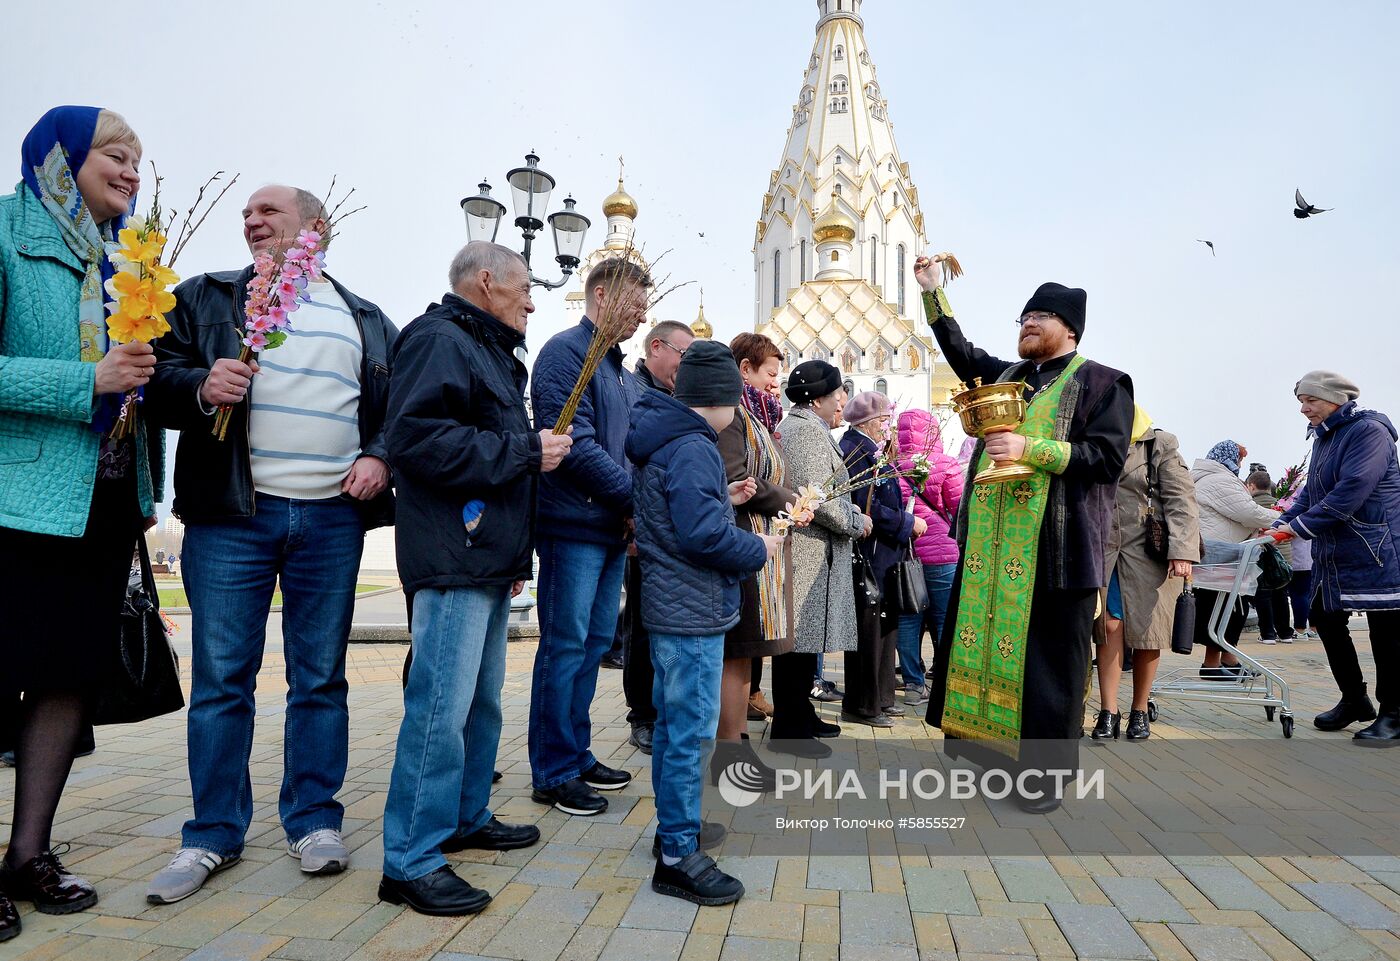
(282, 501)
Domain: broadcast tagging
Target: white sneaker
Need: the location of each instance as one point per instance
(1288, 640)
(321, 852)
(186, 874)
(1267, 640)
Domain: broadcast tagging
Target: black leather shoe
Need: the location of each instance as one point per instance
(45, 881)
(1351, 708)
(572, 797)
(640, 738)
(753, 773)
(873, 720)
(600, 777)
(1138, 728)
(808, 747)
(441, 893)
(696, 878)
(711, 836)
(612, 662)
(1384, 732)
(493, 836)
(9, 919)
(496, 777)
(825, 729)
(1040, 805)
(1107, 726)
(894, 710)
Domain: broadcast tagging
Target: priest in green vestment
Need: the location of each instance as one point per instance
(1013, 662)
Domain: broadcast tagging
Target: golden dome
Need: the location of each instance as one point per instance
(701, 327)
(620, 202)
(833, 225)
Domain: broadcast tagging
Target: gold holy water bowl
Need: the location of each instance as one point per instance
(986, 409)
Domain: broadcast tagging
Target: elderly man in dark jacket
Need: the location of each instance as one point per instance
(467, 462)
(1350, 512)
(584, 510)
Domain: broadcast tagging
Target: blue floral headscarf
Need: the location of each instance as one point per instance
(50, 158)
(1227, 452)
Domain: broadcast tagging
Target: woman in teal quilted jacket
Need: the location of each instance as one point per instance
(72, 501)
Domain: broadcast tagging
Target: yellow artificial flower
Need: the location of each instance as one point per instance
(163, 276)
(140, 246)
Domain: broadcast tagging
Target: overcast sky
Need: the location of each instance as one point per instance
(1090, 143)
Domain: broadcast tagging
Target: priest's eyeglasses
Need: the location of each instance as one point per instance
(1037, 317)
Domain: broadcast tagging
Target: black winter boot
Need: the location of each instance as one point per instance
(1354, 707)
(1385, 732)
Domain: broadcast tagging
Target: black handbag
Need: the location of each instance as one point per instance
(909, 582)
(142, 678)
(1184, 621)
(1275, 574)
(1158, 545)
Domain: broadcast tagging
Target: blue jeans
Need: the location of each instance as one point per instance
(441, 783)
(686, 692)
(231, 571)
(580, 590)
(939, 579)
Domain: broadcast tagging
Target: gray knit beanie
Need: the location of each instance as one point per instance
(1327, 385)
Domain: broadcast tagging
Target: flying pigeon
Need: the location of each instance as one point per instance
(1208, 244)
(1306, 209)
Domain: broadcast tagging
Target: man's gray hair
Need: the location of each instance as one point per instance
(310, 207)
(482, 255)
(663, 330)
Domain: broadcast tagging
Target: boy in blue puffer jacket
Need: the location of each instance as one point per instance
(692, 558)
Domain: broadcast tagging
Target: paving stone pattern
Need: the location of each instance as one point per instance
(583, 894)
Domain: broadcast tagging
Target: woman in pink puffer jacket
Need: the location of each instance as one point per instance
(937, 504)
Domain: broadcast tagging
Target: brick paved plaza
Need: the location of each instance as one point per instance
(582, 893)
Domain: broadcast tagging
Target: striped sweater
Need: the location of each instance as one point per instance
(304, 424)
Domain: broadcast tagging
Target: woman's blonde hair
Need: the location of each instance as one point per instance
(113, 128)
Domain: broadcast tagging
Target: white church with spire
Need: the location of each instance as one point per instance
(840, 227)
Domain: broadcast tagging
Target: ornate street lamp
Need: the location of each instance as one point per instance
(530, 188)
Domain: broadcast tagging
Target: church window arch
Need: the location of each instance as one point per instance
(899, 285)
(840, 52)
(865, 57)
(837, 190)
(777, 278)
(872, 90)
(882, 385)
(808, 93)
(839, 84)
(802, 261)
(874, 258)
(849, 386)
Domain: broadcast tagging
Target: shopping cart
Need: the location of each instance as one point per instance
(1232, 571)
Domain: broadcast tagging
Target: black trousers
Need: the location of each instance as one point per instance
(1332, 627)
(1205, 607)
(1300, 593)
(1274, 619)
(793, 715)
(637, 672)
(870, 673)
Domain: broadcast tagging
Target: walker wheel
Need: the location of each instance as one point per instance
(1269, 712)
(1152, 710)
(1287, 723)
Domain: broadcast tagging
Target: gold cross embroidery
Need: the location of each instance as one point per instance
(1005, 646)
(983, 493)
(968, 637)
(975, 563)
(1046, 456)
(1023, 494)
(1015, 569)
